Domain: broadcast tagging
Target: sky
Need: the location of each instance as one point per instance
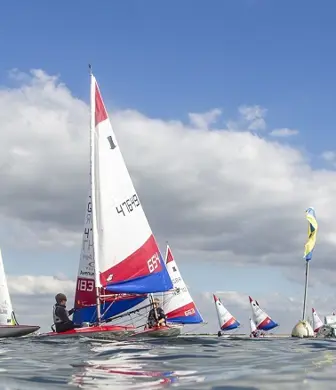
(224, 112)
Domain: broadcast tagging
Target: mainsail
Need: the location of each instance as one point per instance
(225, 318)
(178, 304)
(253, 327)
(119, 253)
(317, 322)
(6, 310)
(261, 319)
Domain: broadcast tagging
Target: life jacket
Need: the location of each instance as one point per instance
(56, 319)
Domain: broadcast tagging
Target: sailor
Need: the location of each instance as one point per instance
(156, 316)
(61, 315)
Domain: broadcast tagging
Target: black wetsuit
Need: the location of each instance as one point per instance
(152, 320)
(61, 318)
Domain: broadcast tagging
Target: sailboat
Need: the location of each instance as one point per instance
(178, 304)
(253, 329)
(226, 320)
(120, 262)
(9, 326)
(261, 319)
(317, 322)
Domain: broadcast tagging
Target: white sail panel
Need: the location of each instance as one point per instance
(178, 304)
(317, 322)
(6, 309)
(253, 327)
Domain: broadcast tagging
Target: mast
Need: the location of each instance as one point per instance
(93, 190)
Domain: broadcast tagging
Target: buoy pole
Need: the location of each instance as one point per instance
(305, 292)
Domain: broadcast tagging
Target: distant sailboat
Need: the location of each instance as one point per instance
(261, 319)
(9, 326)
(317, 322)
(178, 304)
(226, 320)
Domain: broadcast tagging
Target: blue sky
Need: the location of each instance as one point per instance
(166, 59)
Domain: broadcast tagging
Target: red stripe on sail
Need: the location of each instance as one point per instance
(144, 261)
(100, 112)
(184, 311)
(228, 323)
(169, 256)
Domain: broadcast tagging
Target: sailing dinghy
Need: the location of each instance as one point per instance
(9, 326)
(317, 322)
(261, 319)
(226, 320)
(120, 262)
(178, 305)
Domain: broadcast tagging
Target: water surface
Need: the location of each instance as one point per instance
(182, 363)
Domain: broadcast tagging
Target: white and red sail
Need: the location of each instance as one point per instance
(317, 322)
(226, 320)
(178, 305)
(261, 319)
(119, 252)
(253, 327)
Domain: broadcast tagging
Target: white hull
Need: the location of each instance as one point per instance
(17, 330)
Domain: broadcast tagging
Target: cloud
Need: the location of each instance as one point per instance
(254, 117)
(329, 156)
(203, 121)
(283, 132)
(219, 195)
(40, 285)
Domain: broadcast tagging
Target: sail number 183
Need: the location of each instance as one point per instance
(85, 285)
(128, 205)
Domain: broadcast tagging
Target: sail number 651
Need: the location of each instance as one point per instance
(153, 263)
(85, 285)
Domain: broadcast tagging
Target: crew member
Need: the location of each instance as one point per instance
(156, 316)
(61, 315)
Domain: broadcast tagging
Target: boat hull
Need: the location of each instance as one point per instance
(107, 332)
(160, 331)
(17, 330)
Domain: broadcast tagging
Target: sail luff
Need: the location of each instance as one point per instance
(93, 189)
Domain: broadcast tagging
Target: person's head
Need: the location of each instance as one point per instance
(61, 299)
(156, 302)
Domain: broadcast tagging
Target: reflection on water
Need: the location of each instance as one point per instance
(127, 366)
(189, 363)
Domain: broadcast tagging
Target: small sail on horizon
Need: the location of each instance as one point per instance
(317, 322)
(120, 260)
(261, 319)
(178, 304)
(253, 326)
(226, 320)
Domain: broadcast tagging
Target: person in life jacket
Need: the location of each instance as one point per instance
(156, 316)
(61, 315)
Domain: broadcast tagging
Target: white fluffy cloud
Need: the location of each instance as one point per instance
(284, 132)
(229, 195)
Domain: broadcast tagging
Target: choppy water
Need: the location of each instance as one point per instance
(183, 363)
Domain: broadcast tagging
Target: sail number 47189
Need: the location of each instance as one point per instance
(128, 205)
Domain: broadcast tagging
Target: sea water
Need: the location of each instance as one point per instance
(181, 363)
